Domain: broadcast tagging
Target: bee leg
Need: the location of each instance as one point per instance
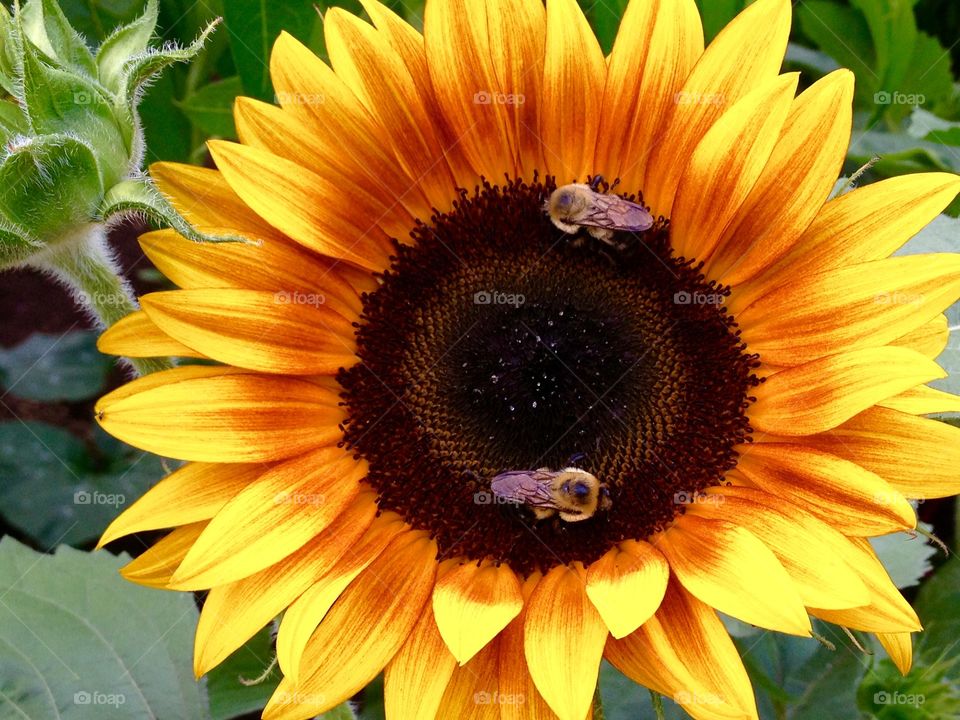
(543, 513)
(604, 235)
(568, 228)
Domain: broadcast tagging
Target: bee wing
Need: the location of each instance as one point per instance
(615, 213)
(527, 487)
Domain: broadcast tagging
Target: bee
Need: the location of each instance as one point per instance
(572, 492)
(577, 205)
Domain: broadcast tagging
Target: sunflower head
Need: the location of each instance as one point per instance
(479, 432)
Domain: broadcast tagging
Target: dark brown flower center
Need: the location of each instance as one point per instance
(497, 343)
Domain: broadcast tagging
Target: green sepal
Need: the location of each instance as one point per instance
(62, 102)
(47, 27)
(15, 245)
(140, 196)
(49, 185)
(124, 43)
(12, 120)
(8, 52)
(142, 67)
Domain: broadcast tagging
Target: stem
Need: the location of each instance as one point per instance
(84, 264)
(657, 705)
(597, 704)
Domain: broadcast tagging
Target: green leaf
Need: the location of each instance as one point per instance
(929, 74)
(49, 185)
(51, 368)
(894, 32)
(141, 196)
(717, 14)
(211, 107)
(814, 61)
(99, 647)
(937, 603)
(905, 557)
(15, 245)
(901, 154)
(623, 699)
(56, 492)
(925, 125)
(605, 18)
(48, 28)
(340, 712)
(139, 69)
(165, 127)
(229, 688)
(254, 26)
(829, 680)
(125, 42)
(97, 20)
(9, 52)
(12, 120)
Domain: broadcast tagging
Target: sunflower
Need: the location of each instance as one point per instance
(746, 379)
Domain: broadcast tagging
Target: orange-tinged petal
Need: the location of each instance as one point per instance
(930, 339)
(685, 653)
(899, 647)
(284, 333)
(302, 617)
(415, 680)
(234, 612)
(563, 642)
(657, 44)
(878, 303)
(243, 417)
(307, 207)
(194, 492)
(272, 517)
(341, 127)
(746, 54)
(273, 265)
(155, 566)
(137, 336)
(822, 394)
(574, 73)
(888, 611)
(846, 496)
(473, 604)
(627, 584)
(923, 400)
(863, 225)
(727, 567)
(366, 626)
(473, 690)
(725, 166)
(802, 543)
(811, 149)
(918, 457)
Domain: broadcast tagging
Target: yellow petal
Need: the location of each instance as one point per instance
(155, 566)
(685, 653)
(656, 47)
(473, 604)
(574, 72)
(802, 543)
(627, 584)
(725, 167)
(303, 205)
(923, 400)
(472, 693)
(366, 627)
(899, 647)
(822, 394)
(563, 642)
(273, 265)
(234, 612)
(919, 458)
(930, 339)
(137, 336)
(302, 618)
(415, 680)
(811, 150)
(285, 333)
(745, 55)
(863, 225)
(242, 417)
(850, 308)
(847, 497)
(727, 567)
(888, 612)
(194, 492)
(272, 517)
